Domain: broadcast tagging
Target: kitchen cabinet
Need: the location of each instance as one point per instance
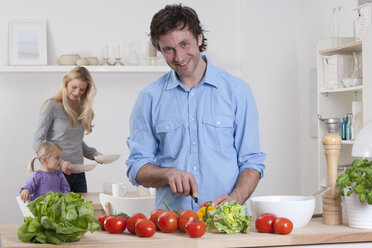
(315, 233)
(336, 103)
(58, 68)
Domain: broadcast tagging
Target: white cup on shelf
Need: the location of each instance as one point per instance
(118, 189)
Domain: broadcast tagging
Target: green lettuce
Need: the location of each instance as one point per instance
(229, 218)
(58, 218)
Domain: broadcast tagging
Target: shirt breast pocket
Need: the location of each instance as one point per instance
(171, 134)
(218, 131)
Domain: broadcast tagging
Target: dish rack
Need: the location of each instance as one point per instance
(336, 68)
(363, 18)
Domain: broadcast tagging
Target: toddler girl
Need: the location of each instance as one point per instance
(49, 177)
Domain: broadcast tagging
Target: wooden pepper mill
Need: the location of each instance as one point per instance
(332, 212)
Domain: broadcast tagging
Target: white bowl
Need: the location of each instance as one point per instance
(298, 209)
(83, 167)
(106, 159)
(128, 205)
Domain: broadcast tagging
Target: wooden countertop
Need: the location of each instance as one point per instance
(314, 233)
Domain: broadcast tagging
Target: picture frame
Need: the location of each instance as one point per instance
(27, 42)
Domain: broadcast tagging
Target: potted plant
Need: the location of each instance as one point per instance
(356, 185)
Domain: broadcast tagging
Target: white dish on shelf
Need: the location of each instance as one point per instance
(83, 167)
(106, 159)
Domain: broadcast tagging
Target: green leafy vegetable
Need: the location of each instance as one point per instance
(58, 218)
(228, 217)
(358, 180)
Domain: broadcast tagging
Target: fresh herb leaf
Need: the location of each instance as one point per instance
(357, 179)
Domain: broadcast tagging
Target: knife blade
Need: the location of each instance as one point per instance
(196, 200)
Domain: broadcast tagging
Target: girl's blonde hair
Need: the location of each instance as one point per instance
(85, 112)
(45, 149)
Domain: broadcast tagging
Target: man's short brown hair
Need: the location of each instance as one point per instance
(173, 17)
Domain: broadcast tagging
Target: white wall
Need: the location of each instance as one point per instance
(279, 42)
(271, 44)
(85, 27)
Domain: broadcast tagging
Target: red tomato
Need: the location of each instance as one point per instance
(265, 223)
(115, 224)
(133, 220)
(195, 228)
(102, 219)
(154, 215)
(283, 225)
(185, 217)
(168, 222)
(205, 204)
(145, 228)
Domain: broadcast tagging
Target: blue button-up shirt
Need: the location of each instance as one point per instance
(210, 131)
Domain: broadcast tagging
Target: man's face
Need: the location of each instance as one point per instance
(180, 50)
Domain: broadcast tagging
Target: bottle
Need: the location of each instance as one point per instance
(350, 128)
(344, 128)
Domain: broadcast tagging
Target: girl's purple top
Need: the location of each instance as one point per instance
(42, 182)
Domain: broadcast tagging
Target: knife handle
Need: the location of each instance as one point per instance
(195, 198)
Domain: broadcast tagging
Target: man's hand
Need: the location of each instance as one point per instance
(222, 199)
(67, 168)
(181, 182)
(246, 184)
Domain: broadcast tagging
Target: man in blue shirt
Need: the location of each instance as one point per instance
(196, 127)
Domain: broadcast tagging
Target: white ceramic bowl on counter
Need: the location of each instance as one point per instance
(128, 205)
(299, 209)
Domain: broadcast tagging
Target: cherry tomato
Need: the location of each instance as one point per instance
(205, 203)
(185, 217)
(265, 223)
(195, 228)
(168, 222)
(145, 228)
(154, 215)
(283, 225)
(102, 219)
(133, 220)
(115, 224)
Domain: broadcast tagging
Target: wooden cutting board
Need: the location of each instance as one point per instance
(314, 233)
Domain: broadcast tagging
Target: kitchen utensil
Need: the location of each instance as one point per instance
(196, 200)
(83, 167)
(106, 159)
(332, 211)
(322, 191)
(333, 125)
(298, 209)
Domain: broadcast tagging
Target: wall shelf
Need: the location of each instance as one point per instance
(59, 68)
(347, 142)
(355, 89)
(356, 46)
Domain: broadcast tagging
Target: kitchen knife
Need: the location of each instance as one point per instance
(195, 199)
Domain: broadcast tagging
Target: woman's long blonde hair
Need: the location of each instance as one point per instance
(85, 112)
(45, 149)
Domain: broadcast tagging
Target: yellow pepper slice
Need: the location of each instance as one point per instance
(201, 212)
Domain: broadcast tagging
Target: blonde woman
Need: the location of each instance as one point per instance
(64, 119)
(49, 177)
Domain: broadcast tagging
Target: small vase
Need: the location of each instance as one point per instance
(359, 213)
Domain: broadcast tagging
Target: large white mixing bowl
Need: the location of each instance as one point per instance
(299, 209)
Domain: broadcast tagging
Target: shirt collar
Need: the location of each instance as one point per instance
(209, 77)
